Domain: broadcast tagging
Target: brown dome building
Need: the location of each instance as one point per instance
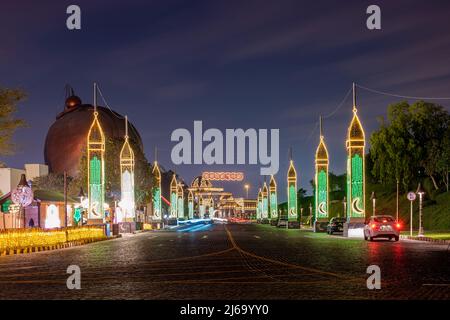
(66, 139)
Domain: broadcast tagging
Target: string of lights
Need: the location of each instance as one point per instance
(107, 105)
(399, 95)
(332, 113)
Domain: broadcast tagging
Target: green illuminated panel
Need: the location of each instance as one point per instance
(157, 202)
(77, 215)
(357, 186)
(173, 204)
(273, 205)
(265, 208)
(292, 202)
(96, 188)
(180, 207)
(322, 195)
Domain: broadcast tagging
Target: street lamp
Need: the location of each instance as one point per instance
(420, 192)
(310, 215)
(344, 202)
(301, 216)
(247, 186)
(373, 197)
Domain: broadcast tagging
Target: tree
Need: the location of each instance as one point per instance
(410, 139)
(9, 99)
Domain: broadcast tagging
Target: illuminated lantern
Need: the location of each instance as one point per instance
(52, 217)
(265, 202)
(156, 192)
(321, 180)
(190, 205)
(96, 166)
(292, 192)
(180, 204)
(173, 197)
(127, 202)
(355, 168)
(273, 198)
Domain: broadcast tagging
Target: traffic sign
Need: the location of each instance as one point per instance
(411, 196)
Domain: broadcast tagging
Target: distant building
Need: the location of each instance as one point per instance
(67, 136)
(10, 177)
(46, 211)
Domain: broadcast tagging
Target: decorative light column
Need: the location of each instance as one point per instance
(259, 206)
(265, 202)
(292, 193)
(321, 184)
(156, 192)
(211, 208)
(273, 203)
(173, 197)
(96, 167)
(127, 202)
(190, 205)
(180, 204)
(201, 208)
(356, 204)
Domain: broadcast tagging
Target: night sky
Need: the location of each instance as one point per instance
(232, 64)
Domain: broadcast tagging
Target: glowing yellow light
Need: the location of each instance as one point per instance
(356, 186)
(36, 237)
(127, 178)
(292, 192)
(96, 169)
(321, 180)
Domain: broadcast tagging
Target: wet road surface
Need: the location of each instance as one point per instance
(231, 262)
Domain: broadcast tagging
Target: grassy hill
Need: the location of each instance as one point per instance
(436, 211)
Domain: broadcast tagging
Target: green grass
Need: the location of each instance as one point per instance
(439, 235)
(436, 214)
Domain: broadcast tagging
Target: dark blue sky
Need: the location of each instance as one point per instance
(248, 64)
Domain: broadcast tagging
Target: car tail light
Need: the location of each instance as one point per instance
(373, 225)
(398, 225)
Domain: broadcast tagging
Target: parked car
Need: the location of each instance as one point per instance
(382, 227)
(282, 223)
(336, 224)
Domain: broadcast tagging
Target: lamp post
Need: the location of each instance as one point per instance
(373, 197)
(420, 192)
(397, 198)
(310, 215)
(344, 202)
(81, 195)
(247, 186)
(301, 216)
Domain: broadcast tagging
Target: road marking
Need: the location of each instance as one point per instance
(257, 237)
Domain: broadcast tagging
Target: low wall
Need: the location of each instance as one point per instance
(18, 239)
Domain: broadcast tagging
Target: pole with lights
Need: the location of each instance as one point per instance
(356, 205)
(421, 193)
(96, 166)
(321, 183)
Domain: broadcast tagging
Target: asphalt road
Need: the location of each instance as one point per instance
(231, 262)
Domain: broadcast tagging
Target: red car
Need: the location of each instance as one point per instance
(382, 227)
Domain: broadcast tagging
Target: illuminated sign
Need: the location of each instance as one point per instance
(223, 176)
